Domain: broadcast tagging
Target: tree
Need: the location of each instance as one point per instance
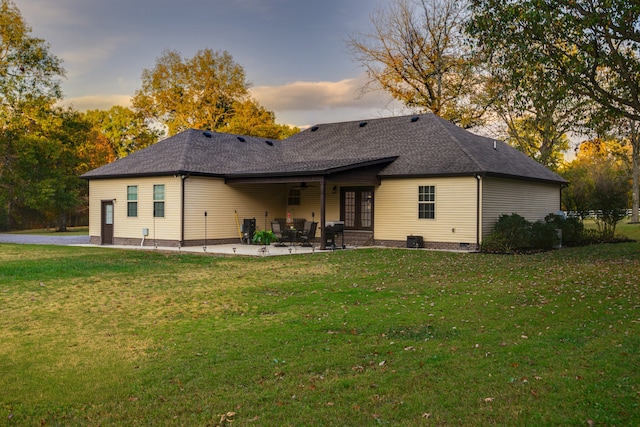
(538, 106)
(416, 51)
(634, 140)
(593, 45)
(28, 71)
(203, 92)
(124, 130)
(196, 92)
(599, 183)
(623, 141)
(250, 118)
(539, 136)
(43, 179)
(537, 109)
(29, 85)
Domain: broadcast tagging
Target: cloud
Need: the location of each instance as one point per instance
(93, 55)
(97, 102)
(304, 103)
(307, 96)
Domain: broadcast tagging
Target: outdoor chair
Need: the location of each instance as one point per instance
(308, 233)
(282, 222)
(277, 231)
(298, 223)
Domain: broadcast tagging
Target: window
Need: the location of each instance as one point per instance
(132, 200)
(356, 208)
(427, 202)
(158, 201)
(108, 214)
(294, 197)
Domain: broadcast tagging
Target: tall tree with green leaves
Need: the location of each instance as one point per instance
(125, 130)
(591, 46)
(537, 110)
(29, 73)
(29, 85)
(206, 91)
(51, 158)
(250, 118)
(416, 51)
(197, 92)
(599, 183)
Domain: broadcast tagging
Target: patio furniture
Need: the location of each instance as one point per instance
(298, 223)
(291, 234)
(308, 233)
(282, 222)
(332, 229)
(248, 228)
(277, 231)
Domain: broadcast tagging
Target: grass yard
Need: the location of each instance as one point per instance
(95, 336)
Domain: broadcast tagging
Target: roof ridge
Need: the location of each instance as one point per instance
(182, 159)
(441, 124)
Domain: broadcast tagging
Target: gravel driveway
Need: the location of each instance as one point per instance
(34, 239)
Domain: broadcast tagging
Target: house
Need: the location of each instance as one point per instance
(391, 180)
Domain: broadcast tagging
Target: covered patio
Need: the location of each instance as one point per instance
(343, 181)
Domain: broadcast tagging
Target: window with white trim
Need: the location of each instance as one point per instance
(426, 202)
(158, 200)
(132, 200)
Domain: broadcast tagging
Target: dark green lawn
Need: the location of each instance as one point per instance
(104, 337)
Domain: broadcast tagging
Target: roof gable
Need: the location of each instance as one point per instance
(420, 145)
(425, 145)
(194, 152)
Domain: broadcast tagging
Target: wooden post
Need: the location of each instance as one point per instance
(323, 197)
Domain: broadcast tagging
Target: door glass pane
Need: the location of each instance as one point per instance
(366, 210)
(350, 209)
(108, 214)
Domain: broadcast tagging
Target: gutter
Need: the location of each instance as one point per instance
(183, 178)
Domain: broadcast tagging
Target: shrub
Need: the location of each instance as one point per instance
(264, 237)
(513, 233)
(544, 235)
(572, 228)
(497, 244)
(510, 233)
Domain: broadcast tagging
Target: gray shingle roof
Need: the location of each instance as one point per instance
(193, 152)
(426, 146)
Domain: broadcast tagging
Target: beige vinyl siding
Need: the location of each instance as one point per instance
(310, 202)
(221, 201)
(396, 210)
(131, 227)
(532, 200)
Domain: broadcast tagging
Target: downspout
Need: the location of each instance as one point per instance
(478, 223)
(183, 178)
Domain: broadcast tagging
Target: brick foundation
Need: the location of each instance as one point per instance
(351, 238)
(444, 246)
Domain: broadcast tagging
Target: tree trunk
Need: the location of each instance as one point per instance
(635, 159)
(62, 223)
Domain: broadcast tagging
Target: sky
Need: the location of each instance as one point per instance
(293, 51)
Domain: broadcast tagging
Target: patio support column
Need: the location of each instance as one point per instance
(323, 191)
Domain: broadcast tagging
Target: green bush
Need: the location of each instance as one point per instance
(544, 235)
(496, 243)
(514, 233)
(510, 233)
(264, 237)
(572, 229)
